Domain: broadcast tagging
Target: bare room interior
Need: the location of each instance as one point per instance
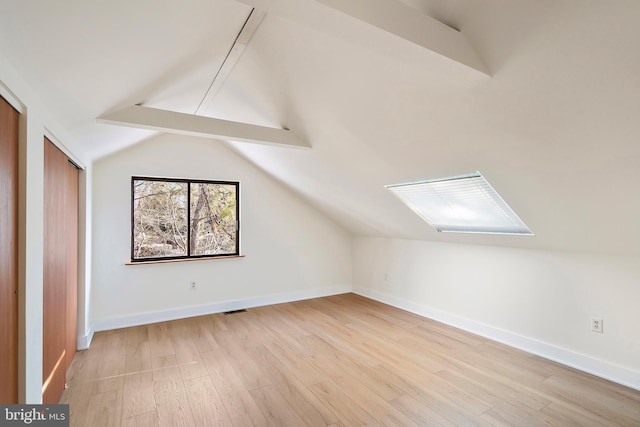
(321, 212)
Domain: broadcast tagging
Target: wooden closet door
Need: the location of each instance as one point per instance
(9, 119)
(60, 270)
(71, 227)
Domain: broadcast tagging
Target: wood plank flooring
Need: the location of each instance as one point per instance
(337, 361)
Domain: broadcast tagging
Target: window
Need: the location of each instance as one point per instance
(184, 218)
(462, 204)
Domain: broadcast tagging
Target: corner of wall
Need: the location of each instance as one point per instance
(84, 341)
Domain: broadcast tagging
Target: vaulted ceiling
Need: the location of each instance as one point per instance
(547, 109)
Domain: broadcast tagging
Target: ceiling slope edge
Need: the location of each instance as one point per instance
(390, 16)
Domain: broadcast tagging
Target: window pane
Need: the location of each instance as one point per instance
(160, 219)
(213, 219)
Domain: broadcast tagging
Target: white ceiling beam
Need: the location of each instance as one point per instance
(187, 124)
(391, 16)
(232, 58)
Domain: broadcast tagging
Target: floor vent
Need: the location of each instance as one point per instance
(235, 311)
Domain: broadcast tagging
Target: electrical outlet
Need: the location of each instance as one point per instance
(192, 286)
(597, 325)
(386, 277)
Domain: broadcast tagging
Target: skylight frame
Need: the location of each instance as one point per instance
(490, 206)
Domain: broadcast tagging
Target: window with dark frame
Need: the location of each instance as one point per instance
(184, 218)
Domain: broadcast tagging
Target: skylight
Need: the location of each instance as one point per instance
(461, 204)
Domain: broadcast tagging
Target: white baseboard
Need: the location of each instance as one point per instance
(618, 374)
(218, 307)
(84, 341)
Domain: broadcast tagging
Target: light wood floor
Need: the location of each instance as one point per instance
(342, 360)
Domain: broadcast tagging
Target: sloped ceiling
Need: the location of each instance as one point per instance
(554, 126)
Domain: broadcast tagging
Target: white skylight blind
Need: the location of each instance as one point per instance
(462, 204)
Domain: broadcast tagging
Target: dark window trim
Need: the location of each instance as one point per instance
(188, 182)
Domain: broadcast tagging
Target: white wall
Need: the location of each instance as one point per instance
(540, 301)
(36, 121)
(292, 251)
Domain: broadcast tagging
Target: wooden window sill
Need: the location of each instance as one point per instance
(167, 261)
